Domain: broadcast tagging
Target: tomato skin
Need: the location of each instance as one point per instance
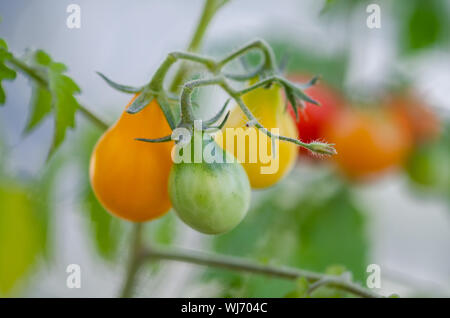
(313, 119)
(368, 142)
(422, 122)
(267, 105)
(212, 198)
(130, 177)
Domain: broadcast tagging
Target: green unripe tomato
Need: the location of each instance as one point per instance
(210, 197)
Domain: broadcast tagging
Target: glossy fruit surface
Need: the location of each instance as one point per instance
(130, 177)
(313, 119)
(211, 197)
(368, 142)
(268, 106)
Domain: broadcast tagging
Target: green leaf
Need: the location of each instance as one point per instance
(41, 107)
(332, 231)
(42, 58)
(5, 72)
(425, 26)
(65, 105)
(20, 236)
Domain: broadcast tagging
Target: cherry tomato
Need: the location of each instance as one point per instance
(313, 119)
(368, 141)
(130, 177)
(211, 197)
(267, 105)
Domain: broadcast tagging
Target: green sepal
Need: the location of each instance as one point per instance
(216, 117)
(120, 87)
(140, 102)
(298, 92)
(291, 98)
(156, 140)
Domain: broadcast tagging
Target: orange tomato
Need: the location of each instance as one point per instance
(130, 177)
(267, 105)
(368, 142)
(312, 119)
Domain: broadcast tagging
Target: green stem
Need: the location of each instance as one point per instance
(209, 10)
(238, 264)
(187, 115)
(134, 261)
(188, 118)
(268, 55)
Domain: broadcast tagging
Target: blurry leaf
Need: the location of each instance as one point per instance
(300, 290)
(105, 229)
(335, 270)
(423, 24)
(331, 68)
(5, 72)
(163, 229)
(41, 106)
(20, 236)
(41, 193)
(428, 166)
(331, 232)
(317, 229)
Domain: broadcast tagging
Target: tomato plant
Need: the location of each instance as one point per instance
(368, 141)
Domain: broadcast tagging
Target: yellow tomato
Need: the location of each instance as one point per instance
(130, 177)
(262, 166)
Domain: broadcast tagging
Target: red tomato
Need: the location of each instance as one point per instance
(368, 141)
(313, 118)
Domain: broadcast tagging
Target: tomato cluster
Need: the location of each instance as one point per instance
(139, 181)
(369, 140)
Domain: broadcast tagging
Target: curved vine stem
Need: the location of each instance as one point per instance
(134, 261)
(187, 115)
(209, 11)
(238, 264)
(38, 78)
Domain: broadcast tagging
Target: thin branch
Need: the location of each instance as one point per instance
(238, 264)
(36, 76)
(134, 262)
